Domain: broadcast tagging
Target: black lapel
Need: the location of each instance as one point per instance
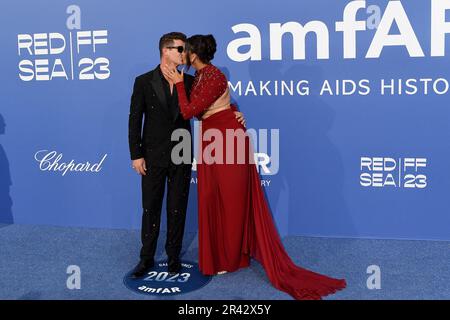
(187, 84)
(175, 101)
(158, 87)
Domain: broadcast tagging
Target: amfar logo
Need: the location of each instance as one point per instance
(51, 161)
(389, 172)
(158, 282)
(394, 14)
(264, 165)
(71, 56)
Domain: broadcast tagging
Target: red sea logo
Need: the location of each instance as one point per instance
(389, 172)
(71, 54)
(158, 282)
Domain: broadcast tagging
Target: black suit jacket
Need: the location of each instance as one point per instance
(149, 104)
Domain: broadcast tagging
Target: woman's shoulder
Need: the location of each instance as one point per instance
(216, 73)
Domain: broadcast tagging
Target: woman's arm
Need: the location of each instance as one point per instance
(202, 96)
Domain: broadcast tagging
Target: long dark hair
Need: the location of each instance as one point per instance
(204, 46)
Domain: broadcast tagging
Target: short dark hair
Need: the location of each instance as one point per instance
(167, 39)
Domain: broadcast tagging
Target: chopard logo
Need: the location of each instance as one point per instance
(52, 161)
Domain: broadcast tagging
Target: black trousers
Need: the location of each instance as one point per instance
(153, 186)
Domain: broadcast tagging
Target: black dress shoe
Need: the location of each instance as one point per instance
(174, 266)
(142, 268)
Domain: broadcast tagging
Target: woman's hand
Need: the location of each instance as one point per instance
(172, 74)
(240, 118)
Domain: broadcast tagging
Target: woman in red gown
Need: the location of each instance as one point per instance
(235, 223)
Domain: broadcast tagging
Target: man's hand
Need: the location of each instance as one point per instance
(240, 118)
(139, 166)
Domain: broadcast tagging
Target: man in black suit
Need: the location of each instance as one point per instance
(155, 99)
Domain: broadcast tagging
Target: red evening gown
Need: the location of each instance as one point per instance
(235, 223)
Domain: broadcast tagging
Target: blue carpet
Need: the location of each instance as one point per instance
(34, 260)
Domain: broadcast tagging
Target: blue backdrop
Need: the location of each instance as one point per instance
(367, 161)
